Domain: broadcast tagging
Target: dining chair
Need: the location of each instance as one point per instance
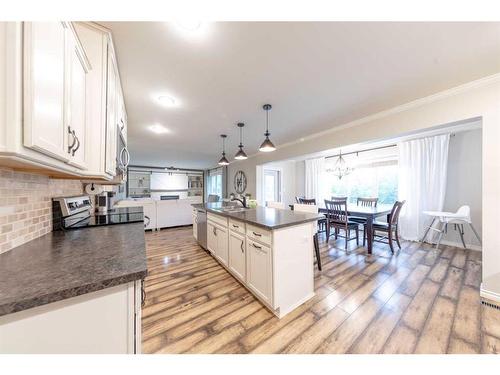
(312, 208)
(339, 198)
(363, 202)
(297, 199)
(336, 217)
(307, 201)
(321, 222)
(279, 205)
(390, 227)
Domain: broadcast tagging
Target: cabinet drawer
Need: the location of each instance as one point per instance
(217, 219)
(259, 234)
(237, 226)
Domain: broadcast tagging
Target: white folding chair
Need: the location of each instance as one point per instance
(279, 205)
(311, 208)
(458, 219)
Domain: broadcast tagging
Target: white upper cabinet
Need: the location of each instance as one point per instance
(65, 104)
(77, 68)
(44, 76)
(111, 116)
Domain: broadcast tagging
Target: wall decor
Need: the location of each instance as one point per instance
(240, 182)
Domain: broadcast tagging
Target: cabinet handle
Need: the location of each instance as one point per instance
(72, 133)
(257, 234)
(149, 221)
(143, 293)
(242, 247)
(257, 247)
(77, 146)
(215, 231)
(235, 226)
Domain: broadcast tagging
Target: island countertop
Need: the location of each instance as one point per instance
(61, 265)
(264, 217)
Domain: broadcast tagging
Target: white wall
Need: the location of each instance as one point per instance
(464, 182)
(478, 99)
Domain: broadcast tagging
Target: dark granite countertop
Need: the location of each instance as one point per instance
(60, 265)
(264, 217)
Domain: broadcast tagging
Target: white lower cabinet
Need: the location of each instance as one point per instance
(195, 224)
(211, 238)
(102, 322)
(222, 249)
(259, 270)
(237, 255)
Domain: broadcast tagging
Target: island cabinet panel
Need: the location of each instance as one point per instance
(259, 271)
(237, 226)
(195, 223)
(222, 251)
(237, 256)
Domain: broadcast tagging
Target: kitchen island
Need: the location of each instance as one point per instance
(270, 251)
(76, 291)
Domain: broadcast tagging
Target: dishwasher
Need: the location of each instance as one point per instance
(201, 221)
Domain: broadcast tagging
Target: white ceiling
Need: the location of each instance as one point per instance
(316, 75)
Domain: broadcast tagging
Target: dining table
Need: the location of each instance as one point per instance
(368, 213)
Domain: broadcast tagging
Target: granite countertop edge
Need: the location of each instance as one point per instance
(235, 216)
(13, 307)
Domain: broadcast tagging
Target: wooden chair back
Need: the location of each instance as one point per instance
(337, 210)
(396, 210)
(307, 201)
(297, 199)
(339, 199)
(367, 202)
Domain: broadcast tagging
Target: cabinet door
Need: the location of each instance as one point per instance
(222, 251)
(111, 128)
(237, 257)
(211, 238)
(75, 107)
(259, 270)
(44, 61)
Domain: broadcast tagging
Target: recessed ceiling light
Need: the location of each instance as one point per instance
(158, 129)
(192, 29)
(167, 101)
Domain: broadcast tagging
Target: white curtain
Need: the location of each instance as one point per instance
(315, 186)
(423, 165)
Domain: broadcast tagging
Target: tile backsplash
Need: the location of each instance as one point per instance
(26, 207)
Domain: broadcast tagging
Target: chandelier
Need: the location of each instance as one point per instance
(340, 169)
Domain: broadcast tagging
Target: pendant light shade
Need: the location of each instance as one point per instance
(241, 155)
(267, 145)
(223, 160)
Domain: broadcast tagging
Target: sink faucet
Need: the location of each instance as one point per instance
(243, 200)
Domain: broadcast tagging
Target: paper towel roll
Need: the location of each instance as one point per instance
(93, 189)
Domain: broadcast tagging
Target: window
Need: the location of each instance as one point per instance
(272, 185)
(378, 180)
(214, 182)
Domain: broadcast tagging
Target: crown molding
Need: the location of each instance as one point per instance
(485, 81)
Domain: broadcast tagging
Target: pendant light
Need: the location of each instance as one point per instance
(241, 155)
(267, 145)
(223, 160)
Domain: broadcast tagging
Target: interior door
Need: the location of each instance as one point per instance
(44, 70)
(76, 72)
(237, 263)
(272, 185)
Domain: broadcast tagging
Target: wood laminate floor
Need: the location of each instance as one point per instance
(417, 301)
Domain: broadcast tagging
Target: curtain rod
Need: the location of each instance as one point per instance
(370, 149)
(357, 152)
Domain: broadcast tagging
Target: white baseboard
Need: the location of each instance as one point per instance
(459, 244)
(489, 295)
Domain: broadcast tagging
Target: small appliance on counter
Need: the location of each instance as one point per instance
(78, 212)
(104, 202)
